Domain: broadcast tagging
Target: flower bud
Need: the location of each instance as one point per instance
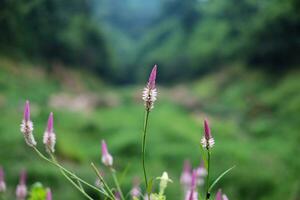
(164, 179)
(107, 159)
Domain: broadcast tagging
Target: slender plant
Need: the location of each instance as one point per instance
(149, 97)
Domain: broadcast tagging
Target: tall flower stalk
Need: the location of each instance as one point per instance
(149, 97)
(207, 142)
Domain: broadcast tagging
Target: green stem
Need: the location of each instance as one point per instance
(144, 149)
(68, 172)
(80, 189)
(113, 172)
(207, 194)
(111, 195)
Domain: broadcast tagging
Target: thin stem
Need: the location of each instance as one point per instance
(78, 187)
(111, 195)
(144, 148)
(113, 172)
(207, 194)
(68, 172)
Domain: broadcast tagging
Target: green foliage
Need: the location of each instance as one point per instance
(37, 192)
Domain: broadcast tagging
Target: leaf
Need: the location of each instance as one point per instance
(219, 178)
(150, 185)
(204, 157)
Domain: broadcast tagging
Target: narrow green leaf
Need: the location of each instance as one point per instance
(219, 178)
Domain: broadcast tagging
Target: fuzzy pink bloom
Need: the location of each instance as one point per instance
(2, 181)
(21, 191)
(219, 195)
(48, 194)
(186, 176)
(150, 92)
(207, 140)
(49, 138)
(27, 126)
(107, 159)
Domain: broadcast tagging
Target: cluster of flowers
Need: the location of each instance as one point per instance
(190, 178)
(21, 189)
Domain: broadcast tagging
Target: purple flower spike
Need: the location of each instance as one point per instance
(27, 111)
(192, 193)
(21, 191)
(2, 181)
(186, 176)
(150, 92)
(49, 138)
(23, 176)
(27, 126)
(152, 78)
(219, 195)
(207, 140)
(49, 194)
(50, 123)
(107, 159)
(207, 130)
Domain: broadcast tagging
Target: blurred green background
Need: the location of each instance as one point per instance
(235, 62)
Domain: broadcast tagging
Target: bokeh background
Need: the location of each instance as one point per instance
(235, 62)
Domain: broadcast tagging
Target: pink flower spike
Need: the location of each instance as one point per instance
(219, 195)
(207, 140)
(207, 130)
(21, 191)
(2, 181)
(23, 176)
(152, 78)
(27, 111)
(107, 159)
(49, 194)
(224, 197)
(50, 123)
(49, 138)
(186, 176)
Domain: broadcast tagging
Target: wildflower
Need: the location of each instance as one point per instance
(219, 195)
(48, 194)
(186, 176)
(224, 197)
(164, 179)
(117, 196)
(21, 191)
(27, 126)
(136, 190)
(207, 140)
(150, 92)
(192, 193)
(201, 174)
(107, 159)
(49, 135)
(2, 181)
